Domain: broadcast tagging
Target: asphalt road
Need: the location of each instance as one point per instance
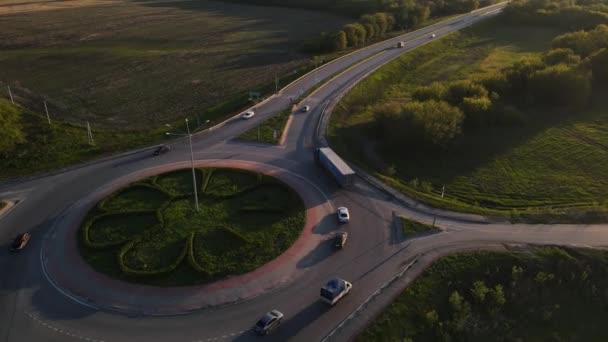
(31, 309)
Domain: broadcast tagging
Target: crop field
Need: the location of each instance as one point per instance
(550, 169)
(134, 65)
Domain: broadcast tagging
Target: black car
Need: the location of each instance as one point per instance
(20, 242)
(268, 322)
(161, 149)
(340, 239)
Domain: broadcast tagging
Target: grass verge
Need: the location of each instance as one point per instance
(244, 221)
(540, 294)
(269, 131)
(548, 170)
(412, 227)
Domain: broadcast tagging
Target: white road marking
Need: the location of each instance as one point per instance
(57, 330)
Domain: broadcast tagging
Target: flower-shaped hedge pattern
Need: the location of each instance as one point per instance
(150, 231)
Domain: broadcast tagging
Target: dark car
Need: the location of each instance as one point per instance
(268, 322)
(20, 242)
(161, 149)
(340, 239)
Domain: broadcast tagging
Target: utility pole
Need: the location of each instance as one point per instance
(90, 134)
(276, 83)
(46, 109)
(10, 94)
(192, 163)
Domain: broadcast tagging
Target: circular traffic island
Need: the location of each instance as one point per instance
(151, 232)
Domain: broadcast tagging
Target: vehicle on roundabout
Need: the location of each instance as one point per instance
(20, 242)
(334, 290)
(340, 240)
(268, 323)
(248, 115)
(161, 149)
(343, 215)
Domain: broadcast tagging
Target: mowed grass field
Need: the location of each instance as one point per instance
(551, 169)
(134, 65)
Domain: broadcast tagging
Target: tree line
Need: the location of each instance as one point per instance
(563, 77)
(388, 16)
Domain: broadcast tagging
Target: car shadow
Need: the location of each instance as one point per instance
(323, 250)
(329, 223)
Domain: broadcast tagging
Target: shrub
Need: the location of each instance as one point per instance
(436, 122)
(560, 85)
(151, 272)
(476, 110)
(599, 66)
(561, 56)
(435, 91)
(458, 90)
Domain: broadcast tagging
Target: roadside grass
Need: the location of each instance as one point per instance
(245, 220)
(269, 131)
(2, 205)
(136, 65)
(549, 170)
(536, 294)
(58, 145)
(412, 227)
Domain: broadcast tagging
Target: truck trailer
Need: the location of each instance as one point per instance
(339, 170)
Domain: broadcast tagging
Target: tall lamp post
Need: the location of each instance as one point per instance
(189, 135)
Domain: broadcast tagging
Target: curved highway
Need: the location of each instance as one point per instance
(33, 309)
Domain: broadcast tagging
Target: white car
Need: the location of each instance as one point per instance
(305, 109)
(248, 114)
(343, 215)
(433, 35)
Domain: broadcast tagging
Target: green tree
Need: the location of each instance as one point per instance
(599, 66)
(340, 41)
(560, 85)
(561, 56)
(476, 110)
(10, 126)
(352, 35)
(382, 22)
(434, 122)
(479, 291)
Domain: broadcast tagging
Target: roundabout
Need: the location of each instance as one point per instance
(228, 217)
(53, 294)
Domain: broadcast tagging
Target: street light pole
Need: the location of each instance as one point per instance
(192, 163)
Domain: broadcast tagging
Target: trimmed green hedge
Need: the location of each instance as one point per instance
(151, 272)
(235, 230)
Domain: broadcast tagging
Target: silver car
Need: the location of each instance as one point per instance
(269, 322)
(343, 215)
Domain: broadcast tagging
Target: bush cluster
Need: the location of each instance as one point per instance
(438, 113)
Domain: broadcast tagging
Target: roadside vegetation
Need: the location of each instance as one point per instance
(376, 19)
(150, 232)
(537, 294)
(30, 145)
(509, 118)
(2, 204)
(269, 131)
(412, 227)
